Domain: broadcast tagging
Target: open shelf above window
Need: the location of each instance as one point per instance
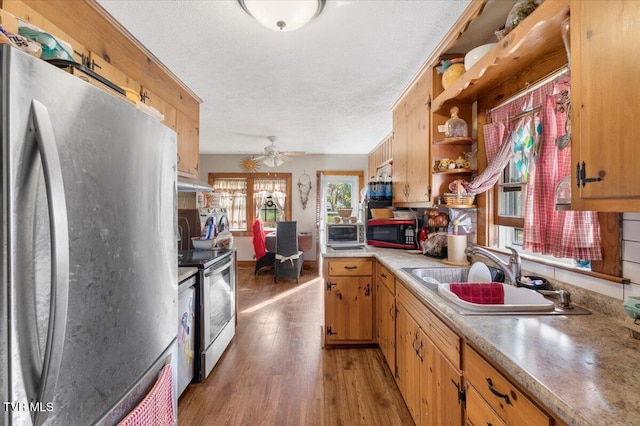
(537, 35)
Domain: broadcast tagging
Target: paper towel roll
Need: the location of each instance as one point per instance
(456, 247)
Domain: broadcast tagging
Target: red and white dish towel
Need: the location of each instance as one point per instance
(480, 293)
(156, 409)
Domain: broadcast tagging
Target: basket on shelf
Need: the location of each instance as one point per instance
(344, 213)
(381, 213)
(459, 198)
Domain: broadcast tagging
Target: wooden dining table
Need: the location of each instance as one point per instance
(305, 241)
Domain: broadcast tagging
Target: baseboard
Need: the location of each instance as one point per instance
(308, 264)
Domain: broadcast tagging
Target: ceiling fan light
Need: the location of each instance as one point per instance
(283, 15)
(270, 162)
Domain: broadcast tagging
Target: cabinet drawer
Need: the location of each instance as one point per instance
(351, 267)
(385, 277)
(509, 403)
(478, 412)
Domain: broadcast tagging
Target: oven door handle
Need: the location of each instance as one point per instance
(212, 271)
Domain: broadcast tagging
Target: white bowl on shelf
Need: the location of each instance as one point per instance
(201, 244)
(476, 54)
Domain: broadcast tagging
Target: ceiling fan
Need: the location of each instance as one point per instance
(273, 157)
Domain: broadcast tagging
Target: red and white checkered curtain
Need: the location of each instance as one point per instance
(565, 234)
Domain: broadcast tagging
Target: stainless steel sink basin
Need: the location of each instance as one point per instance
(525, 302)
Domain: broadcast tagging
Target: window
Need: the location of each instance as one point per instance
(524, 206)
(248, 196)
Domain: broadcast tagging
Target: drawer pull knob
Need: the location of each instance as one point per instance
(350, 268)
(383, 275)
(498, 394)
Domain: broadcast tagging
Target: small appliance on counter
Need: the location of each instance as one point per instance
(345, 234)
(392, 233)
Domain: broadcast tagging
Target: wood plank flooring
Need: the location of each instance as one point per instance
(275, 372)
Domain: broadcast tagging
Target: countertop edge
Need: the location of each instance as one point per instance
(550, 394)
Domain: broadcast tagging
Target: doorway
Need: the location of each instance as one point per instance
(337, 190)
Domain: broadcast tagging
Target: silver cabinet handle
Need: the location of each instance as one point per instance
(41, 130)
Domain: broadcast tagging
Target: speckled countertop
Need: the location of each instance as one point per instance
(184, 273)
(583, 368)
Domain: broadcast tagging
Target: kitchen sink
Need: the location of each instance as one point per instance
(514, 299)
(517, 300)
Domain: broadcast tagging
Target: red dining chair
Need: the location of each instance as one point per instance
(264, 258)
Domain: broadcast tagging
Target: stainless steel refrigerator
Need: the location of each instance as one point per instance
(88, 299)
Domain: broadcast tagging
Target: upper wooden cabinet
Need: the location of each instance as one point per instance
(411, 140)
(604, 98)
(121, 59)
(188, 156)
(381, 155)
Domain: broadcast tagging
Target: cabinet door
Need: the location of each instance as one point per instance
(399, 154)
(407, 361)
(188, 146)
(349, 309)
(605, 103)
(386, 323)
(418, 148)
(169, 112)
(439, 383)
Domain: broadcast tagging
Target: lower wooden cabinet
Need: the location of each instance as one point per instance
(386, 319)
(479, 413)
(427, 379)
(489, 393)
(407, 361)
(349, 301)
(440, 402)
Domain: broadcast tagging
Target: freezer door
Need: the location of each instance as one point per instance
(89, 272)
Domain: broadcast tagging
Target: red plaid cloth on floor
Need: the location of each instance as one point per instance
(480, 293)
(156, 409)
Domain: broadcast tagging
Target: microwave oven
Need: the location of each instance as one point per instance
(392, 233)
(345, 234)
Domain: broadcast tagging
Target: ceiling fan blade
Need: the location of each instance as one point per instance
(284, 158)
(260, 157)
(293, 153)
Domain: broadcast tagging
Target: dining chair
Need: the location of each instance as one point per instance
(264, 257)
(288, 262)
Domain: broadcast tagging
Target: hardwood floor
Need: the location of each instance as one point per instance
(275, 371)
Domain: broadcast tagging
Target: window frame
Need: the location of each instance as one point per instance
(250, 177)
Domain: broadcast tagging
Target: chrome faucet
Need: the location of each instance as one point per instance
(564, 297)
(511, 269)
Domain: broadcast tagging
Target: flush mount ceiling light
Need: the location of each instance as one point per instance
(283, 15)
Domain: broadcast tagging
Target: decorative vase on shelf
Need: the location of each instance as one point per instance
(455, 127)
(451, 70)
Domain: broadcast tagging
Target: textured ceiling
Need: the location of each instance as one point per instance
(325, 88)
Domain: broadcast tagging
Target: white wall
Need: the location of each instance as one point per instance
(631, 252)
(309, 164)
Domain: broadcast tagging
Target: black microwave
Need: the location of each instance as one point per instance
(392, 233)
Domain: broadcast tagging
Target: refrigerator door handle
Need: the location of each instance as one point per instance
(42, 130)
